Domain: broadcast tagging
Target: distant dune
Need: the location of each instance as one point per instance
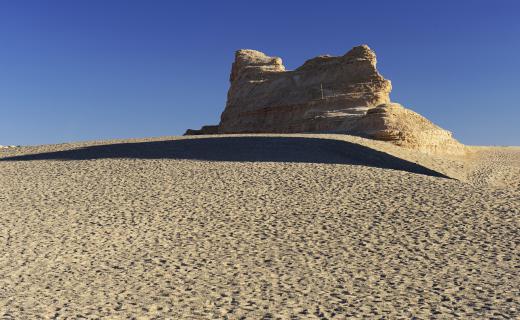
(290, 226)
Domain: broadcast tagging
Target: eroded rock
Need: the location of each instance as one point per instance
(263, 97)
(344, 94)
(394, 123)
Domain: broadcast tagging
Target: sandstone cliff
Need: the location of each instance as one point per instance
(343, 94)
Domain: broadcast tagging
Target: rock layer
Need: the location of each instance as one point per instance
(343, 94)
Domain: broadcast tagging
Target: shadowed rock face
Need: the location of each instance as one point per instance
(343, 94)
(202, 131)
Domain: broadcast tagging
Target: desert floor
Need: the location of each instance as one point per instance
(258, 227)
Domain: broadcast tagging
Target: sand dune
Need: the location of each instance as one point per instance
(257, 226)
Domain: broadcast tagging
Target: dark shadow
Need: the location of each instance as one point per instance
(252, 149)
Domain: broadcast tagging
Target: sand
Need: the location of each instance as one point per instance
(258, 227)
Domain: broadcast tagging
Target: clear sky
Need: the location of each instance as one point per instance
(88, 70)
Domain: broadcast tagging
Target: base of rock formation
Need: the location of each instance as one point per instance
(403, 127)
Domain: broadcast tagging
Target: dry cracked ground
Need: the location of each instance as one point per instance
(257, 227)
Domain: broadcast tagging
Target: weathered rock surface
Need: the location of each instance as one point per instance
(317, 96)
(343, 94)
(394, 123)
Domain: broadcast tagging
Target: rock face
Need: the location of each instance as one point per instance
(317, 96)
(343, 94)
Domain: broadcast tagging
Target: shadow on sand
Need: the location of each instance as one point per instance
(241, 149)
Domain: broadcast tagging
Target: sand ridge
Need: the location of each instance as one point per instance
(200, 234)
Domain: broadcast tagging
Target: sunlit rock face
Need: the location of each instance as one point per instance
(317, 96)
(344, 94)
(394, 123)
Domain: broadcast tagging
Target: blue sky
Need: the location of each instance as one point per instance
(88, 70)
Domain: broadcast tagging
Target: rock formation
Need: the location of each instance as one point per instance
(317, 96)
(202, 131)
(343, 94)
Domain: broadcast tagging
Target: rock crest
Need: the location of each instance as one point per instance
(344, 94)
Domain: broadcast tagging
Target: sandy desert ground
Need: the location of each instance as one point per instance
(258, 227)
